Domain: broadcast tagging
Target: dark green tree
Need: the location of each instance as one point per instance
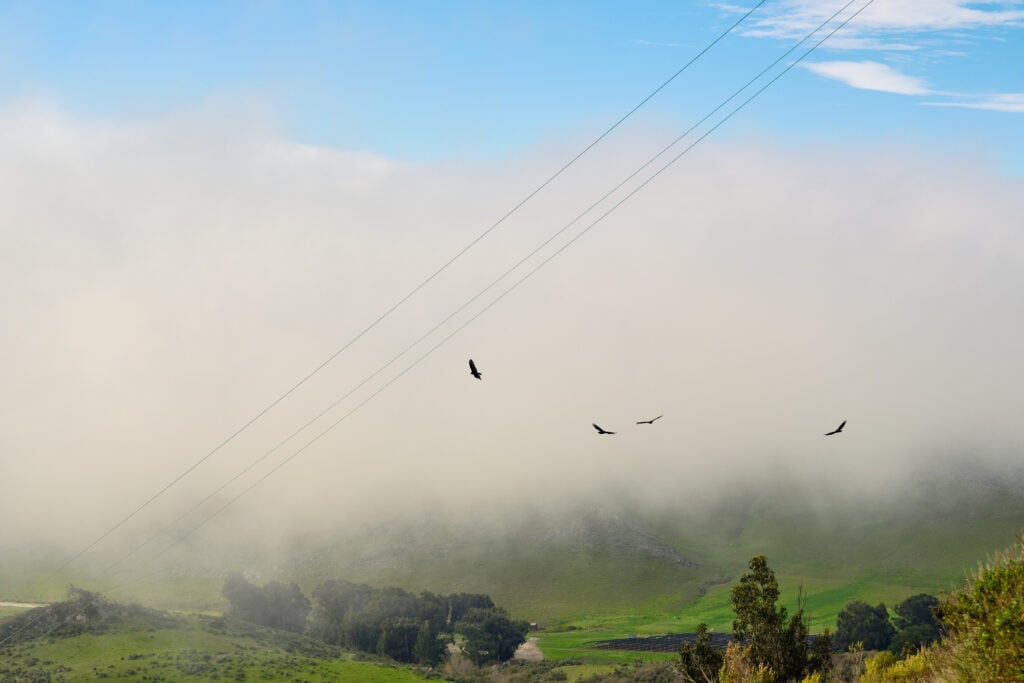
(246, 600)
(820, 657)
(491, 635)
(430, 649)
(397, 639)
(917, 610)
(916, 623)
(700, 660)
(758, 622)
(433, 608)
(794, 641)
(459, 605)
(288, 607)
(859, 622)
(275, 605)
(354, 615)
(772, 638)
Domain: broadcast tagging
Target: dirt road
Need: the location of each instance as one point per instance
(529, 651)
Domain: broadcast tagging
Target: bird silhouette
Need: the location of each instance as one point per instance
(837, 429)
(651, 421)
(602, 431)
(472, 369)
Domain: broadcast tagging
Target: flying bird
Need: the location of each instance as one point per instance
(472, 369)
(837, 429)
(602, 431)
(651, 421)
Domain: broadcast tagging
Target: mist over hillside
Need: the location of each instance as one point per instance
(550, 559)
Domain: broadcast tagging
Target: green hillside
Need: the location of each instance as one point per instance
(614, 568)
(144, 644)
(625, 559)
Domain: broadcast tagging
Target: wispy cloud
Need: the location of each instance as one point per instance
(794, 17)
(654, 43)
(1008, 102)
(870, 76)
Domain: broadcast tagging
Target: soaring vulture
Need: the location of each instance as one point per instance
(837, 429)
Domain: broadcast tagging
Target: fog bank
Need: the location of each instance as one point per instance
(165, 281)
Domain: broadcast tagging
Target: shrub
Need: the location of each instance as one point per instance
(699, 661)
(985, 620)
(736, 667)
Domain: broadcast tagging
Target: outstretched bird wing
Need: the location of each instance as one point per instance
(651, 421)
(837, 429)
(602, 431)
(472, 369)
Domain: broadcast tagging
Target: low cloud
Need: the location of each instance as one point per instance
(869, 76)
(161, 283)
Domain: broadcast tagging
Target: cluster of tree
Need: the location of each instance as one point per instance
(913, 625)
(388, 621)
(275, 604)
(771, 644)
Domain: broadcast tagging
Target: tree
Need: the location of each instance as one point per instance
(774, 643)
(757, 620)
(916, 623)
(430, 649)
(491, 634)
(406, 627)
(433, 608)
(820, 657)
(917, 610)
(860, 622)
(794, 641)
(700, 660)
(355, 615)
(275, 605)
(459, 605)
(397, 640)
(247, 601)
(287, 607)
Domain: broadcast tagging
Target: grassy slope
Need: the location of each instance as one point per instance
(200, 649)
(565, 574)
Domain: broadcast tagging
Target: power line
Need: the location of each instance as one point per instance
(401, 301)
(530, 273)
(486, 289)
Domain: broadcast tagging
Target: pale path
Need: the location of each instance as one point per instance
(26, 605)
(529, 651)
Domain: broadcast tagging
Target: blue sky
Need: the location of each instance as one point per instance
(439, 80)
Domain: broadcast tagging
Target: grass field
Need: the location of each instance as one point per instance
(200, 649)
